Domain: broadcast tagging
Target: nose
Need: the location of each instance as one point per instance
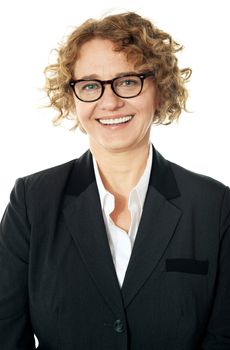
(109, 100)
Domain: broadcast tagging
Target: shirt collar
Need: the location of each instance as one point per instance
(140, 189)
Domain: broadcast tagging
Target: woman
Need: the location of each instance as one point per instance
(119, 249)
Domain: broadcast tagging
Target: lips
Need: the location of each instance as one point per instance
(115, 121)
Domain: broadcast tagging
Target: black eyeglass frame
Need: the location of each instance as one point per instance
(142, 77)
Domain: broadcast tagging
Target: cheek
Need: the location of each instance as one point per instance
(83, 111)
(147, 108)
(147, 104)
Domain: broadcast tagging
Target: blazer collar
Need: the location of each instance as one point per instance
(162, 176)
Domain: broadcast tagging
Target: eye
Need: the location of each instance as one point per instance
(89, 86)
(127, 82)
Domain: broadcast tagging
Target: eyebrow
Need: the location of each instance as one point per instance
(95, 76)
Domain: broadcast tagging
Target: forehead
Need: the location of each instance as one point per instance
(98, 57)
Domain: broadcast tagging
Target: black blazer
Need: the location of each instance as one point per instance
(57, 277)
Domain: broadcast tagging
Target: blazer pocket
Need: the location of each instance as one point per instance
(199, 267)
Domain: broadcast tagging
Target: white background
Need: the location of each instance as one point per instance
(30, 29)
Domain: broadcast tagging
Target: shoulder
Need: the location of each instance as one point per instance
(173, 180)
(56, 180)
(48, 178)
(188, 176)
(42, 192)
(198, 186)
(47, 185)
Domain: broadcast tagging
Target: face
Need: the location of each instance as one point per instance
(98, 60)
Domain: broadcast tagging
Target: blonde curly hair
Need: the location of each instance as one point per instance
(142, 43)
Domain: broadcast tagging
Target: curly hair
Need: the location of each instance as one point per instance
(142, 43)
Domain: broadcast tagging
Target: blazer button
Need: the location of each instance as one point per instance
(118, 326)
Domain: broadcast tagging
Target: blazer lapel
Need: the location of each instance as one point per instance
(159, 220)
(84, 220)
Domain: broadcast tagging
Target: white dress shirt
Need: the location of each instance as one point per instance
(121, 242)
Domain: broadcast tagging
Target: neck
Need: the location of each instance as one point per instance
(121, 171)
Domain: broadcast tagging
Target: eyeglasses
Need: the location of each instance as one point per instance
(126, 86)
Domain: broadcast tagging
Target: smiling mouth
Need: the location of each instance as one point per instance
(115, 121)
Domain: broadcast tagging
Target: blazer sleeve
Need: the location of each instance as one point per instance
(15, 326)
(218, 330)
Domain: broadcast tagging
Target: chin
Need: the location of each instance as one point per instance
(119, 146)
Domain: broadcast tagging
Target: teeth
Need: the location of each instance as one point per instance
(115, 121)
